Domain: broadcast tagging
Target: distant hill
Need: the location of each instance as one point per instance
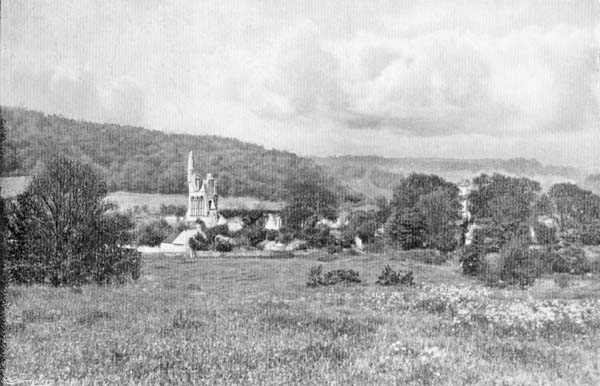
(139, 160)
(374, 175)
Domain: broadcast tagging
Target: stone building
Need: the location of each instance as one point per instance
(202, 196)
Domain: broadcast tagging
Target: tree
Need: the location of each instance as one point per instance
(152, 233)
(63, 232)
(383, 209)
(406, 228)
(575, 206)
(408, 192)
(543, 206)
(507, 200)
(516, 265)
(308, 199)
(440, 210)
(425, 212)
(364, 225)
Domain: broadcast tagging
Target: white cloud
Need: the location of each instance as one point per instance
(395, 78)
(439, 83)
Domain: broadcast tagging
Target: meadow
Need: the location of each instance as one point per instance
(128, 200)
(240, 321)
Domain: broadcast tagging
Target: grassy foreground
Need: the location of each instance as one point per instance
(254, 322)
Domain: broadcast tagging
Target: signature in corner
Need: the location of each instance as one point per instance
(26, 382)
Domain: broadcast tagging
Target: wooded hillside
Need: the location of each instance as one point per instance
(149, 161)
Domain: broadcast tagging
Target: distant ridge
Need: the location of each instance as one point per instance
(374, 175)
(522, 166)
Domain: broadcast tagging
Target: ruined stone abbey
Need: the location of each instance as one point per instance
(202, 197)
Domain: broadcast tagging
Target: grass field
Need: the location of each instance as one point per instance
(254, 322)
(127, 200)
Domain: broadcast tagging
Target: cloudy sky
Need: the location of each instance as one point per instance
(466, 79)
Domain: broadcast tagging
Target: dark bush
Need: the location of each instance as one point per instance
(543, 259)
(487, 238)
(590, 234)
(347, 238)
(570, 260)
(199, 243)
(223, 245)
(152, 233)
(249, 216)
(317, 237)
(334, 248)
(284, 237)
(254, 233)
(212, 233)
(471, 260)
(316, 277)
(211, 241)
(272, 235)
(545, 235)
(390, 277)
(516, 266)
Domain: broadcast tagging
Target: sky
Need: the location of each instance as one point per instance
(457, 78)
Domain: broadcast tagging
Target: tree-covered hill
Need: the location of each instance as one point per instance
(149, 161)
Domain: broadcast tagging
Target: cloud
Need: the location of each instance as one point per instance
(440, 83)
(390, 78)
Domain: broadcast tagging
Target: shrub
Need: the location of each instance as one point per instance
(271, 235)
(542, 259)
(317, 237)
(590, 234)
(249, 216)
(199, 243)
(284, 237)
(254, 233)
(471, 260)
(316, 277)
(215, 231)
(334, 248)
(223, 245)
(545, 235)
(152, 233)
(516, 266)
(390, 277)
(488, 237)
(208, 241)
(570, 260)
